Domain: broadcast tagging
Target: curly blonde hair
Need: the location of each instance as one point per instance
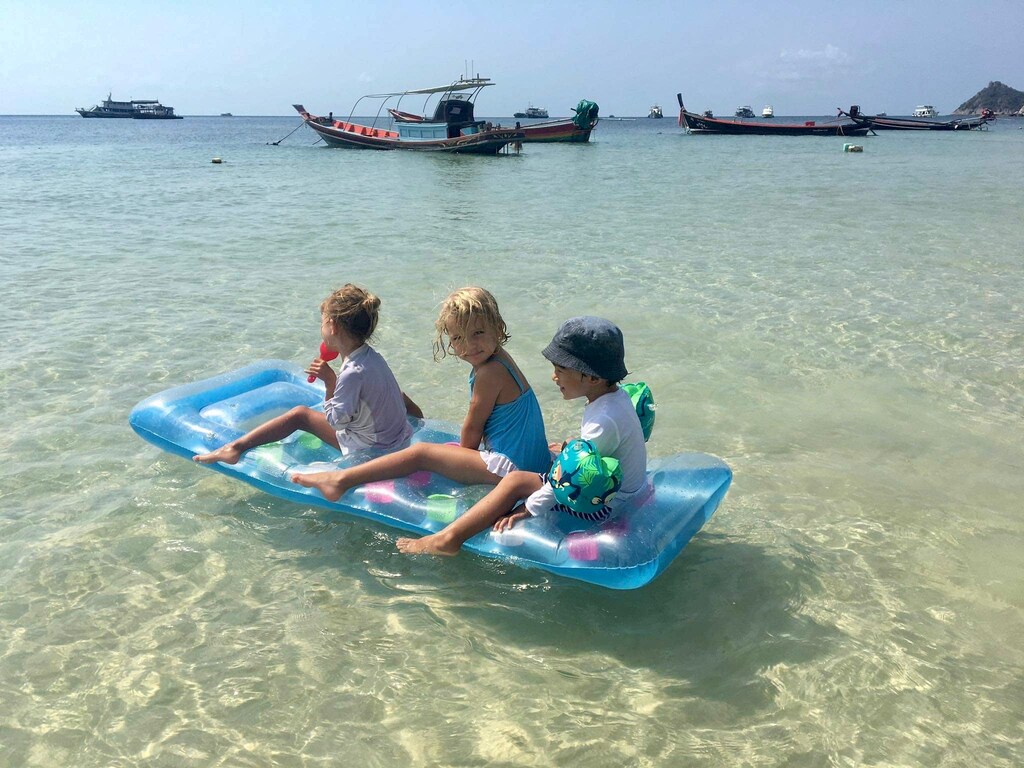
(459, 310)
(353, 308)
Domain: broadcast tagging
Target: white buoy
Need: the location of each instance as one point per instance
(217, 160)
(852, 148)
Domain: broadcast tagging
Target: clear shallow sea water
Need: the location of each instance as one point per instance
(845, 330)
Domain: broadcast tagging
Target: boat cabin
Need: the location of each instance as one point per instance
(453, 117)
(431, 131)
(454, 109)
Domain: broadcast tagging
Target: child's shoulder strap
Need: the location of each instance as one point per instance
(512, 372)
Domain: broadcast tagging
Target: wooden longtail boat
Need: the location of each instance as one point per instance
(885, 123)
(452, 129)
(570, 129)
(694, 123)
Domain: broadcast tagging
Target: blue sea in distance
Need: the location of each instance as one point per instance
(845, 330)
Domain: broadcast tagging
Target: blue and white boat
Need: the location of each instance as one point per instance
(625, 552)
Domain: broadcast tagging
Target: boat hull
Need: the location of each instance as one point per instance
(694, 123)
(698, 124)
(104, 115)
(557, 131)
(339, 133)
(919, 124)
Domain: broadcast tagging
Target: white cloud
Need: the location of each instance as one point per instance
(831, 55)
(804, 64)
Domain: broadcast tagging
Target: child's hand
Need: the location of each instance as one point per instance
(557, 447)
(320, 369)
(508, 521)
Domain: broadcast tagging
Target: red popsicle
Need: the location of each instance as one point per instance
(326, 353)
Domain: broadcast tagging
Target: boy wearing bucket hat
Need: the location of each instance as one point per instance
(588, 358)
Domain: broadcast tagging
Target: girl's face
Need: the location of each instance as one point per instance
(476, 343)
(337, 337)
(571, 384)
(329, 333)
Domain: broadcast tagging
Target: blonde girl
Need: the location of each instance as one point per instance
(503, 430)
(363, 404)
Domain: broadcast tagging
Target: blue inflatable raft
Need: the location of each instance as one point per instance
(623, 553)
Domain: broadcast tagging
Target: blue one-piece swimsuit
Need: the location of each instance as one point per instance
(516, 429)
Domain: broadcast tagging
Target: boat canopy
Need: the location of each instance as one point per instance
(457, 91)
(462, 84)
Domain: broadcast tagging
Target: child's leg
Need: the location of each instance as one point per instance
(481, 516)
(277, 428)
(463, 465)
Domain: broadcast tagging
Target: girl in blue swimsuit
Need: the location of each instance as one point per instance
(503, 430)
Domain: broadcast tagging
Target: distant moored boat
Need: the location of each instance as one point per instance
(136, 109)
(453, 128)
(881, 122)
(532, 112)
(708, 124)
(569, 129)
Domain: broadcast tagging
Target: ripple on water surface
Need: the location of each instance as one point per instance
(844, 330)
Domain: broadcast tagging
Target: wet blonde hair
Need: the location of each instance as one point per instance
(465, 306)
(353, 308)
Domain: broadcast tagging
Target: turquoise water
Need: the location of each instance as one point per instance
(844, 329)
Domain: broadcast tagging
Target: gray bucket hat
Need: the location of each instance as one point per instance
(591, 345)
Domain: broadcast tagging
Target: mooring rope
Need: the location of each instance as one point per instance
(275, 143)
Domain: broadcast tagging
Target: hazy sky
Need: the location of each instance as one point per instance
(257, 58)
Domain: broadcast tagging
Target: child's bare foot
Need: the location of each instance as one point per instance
(435, 544)
(328, 483)
(226, 454)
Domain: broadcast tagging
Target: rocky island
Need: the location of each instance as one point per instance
(1001, 99)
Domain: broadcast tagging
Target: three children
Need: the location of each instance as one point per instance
(502, 441)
